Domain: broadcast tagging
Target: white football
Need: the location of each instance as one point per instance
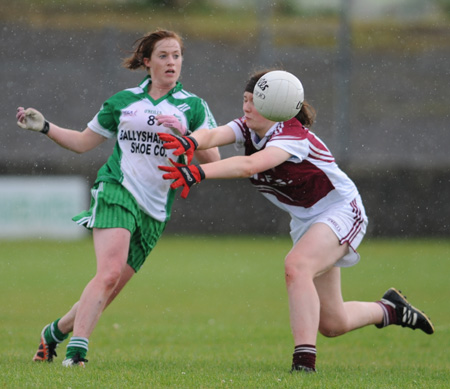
(278, 96)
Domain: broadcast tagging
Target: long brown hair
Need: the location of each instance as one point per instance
(146, 45)
(307, 114)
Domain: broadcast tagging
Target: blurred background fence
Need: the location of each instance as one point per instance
(376, 71)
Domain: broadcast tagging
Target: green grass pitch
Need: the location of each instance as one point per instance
(211, 312)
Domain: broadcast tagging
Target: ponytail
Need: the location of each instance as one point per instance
(307, 114)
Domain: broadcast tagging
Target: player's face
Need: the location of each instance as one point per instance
(165, 63)
(253, 118)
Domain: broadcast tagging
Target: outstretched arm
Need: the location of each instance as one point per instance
(246, 166)
(206, 151)
(207, 156)
(219, 136)
(209, 140)
(235, 167)
(79, 142)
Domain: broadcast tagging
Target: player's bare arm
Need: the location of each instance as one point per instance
(207, 150)
(207, 156)
(219, 136)
(79, 142)
(246, 166)
(204, 155)
(76, 141)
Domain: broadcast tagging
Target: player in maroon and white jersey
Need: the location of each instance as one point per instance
(296, 171)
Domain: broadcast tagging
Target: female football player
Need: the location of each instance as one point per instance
(296, 171)
(130, 202)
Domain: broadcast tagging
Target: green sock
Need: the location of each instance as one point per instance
(77, 345)
(52, 333)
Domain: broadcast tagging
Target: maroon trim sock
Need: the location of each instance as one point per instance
(305, 355)
(389, 315)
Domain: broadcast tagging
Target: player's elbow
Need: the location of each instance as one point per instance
(78, 151)
(248, 168)
(78, 148)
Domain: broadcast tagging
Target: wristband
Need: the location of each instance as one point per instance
(202, 173)
(184, 140)
(46, 128)
(193, 141)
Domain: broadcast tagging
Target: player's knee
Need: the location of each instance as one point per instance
(291, 270)
(109, 279)
(333, 327)
(294, 268)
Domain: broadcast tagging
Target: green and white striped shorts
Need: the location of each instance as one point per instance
(112, 206)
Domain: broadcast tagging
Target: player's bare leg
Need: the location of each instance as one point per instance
(65, 324)
(47, 348)
(111, 248)
(315, 253)
(338, 317)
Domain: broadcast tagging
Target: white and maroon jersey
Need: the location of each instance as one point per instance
(309, 182)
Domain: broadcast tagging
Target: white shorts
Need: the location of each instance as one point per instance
(347, 220)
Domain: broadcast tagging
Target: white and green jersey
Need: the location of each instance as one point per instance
(129, 116)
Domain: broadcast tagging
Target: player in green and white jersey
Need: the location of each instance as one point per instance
(131, 117)
(130, 202)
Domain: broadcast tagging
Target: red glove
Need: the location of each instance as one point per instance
(183, 144)
(184, 175)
